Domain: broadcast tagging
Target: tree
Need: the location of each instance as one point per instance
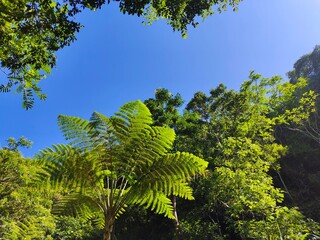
(14, 144)
(33, 30)
(164, 107)
(30, 34)
(234, 131)
(24, 210)
(300, 167)
(178, 14)
(307, 66)
(119, 161)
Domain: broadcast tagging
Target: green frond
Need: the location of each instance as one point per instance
(132, 118)
(156, 201)
(140, 151)
(171, 169)
(70, 166)
(159, 141)
(167, 176)
(121, 210)
(76, 129)
(98, 220)
(142, 143)
(52, 157)
(79, 205)
(29, 228)
(183, 190)
(103, 130)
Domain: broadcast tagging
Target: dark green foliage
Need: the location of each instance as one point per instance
(308, 66)
(139, 223)
(30, 34)
(164, 107)
(301, 167)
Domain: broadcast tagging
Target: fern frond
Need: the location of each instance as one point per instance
(157, 144)
(29, 228)
(132, 118)
(71, 166)
(103, 130)
(170, 170)
(141, 143)
(167, 176)
(155, 201)
(98, 220)
(78, 205)
(76, 129)
(183, 190)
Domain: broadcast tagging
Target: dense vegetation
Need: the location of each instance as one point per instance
(114, 171)
(248, 158)
(236, 133)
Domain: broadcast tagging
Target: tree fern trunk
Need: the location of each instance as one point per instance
(108, 227)
(178, 234)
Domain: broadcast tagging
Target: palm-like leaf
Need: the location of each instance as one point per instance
(113, 162)
(71, 166)
(76, 129)
(81, 205)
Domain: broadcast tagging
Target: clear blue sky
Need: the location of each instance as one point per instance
(117, 59)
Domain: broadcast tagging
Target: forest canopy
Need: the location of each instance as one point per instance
(124, 166)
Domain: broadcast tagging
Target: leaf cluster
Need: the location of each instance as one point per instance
(30, 34)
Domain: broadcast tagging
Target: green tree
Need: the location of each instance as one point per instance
(234, 131)
(119, 161)
(300, 167)
(31, 31)
(307, 66)
(178, 14)
(13, 144)
(24, 210)
(30, 34)
(164, 107)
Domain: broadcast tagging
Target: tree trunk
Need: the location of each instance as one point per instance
(176, 220)
(108, 227)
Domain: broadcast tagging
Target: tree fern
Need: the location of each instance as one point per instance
(113, 162)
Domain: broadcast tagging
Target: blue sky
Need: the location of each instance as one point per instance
(117, 59)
